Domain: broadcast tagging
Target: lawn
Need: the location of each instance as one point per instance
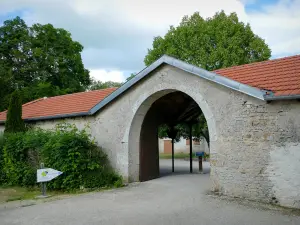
(8, 194)
(180, 155)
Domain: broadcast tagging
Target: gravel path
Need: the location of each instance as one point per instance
(178, 199)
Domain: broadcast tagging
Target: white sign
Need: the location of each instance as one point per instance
(47, 174)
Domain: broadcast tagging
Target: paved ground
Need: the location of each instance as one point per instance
(177, 199)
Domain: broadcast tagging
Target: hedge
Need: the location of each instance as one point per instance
(2, 174)
(83, 163)
(14, 122)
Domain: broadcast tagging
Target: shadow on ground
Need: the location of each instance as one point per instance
(181, 167)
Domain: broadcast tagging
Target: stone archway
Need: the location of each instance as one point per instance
(143, 110)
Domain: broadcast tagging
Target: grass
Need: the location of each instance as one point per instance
(8, 194)
(180, 155)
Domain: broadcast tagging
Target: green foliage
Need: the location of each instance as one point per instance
(199, 130)
(14, 122)
(102, 178)
(42, 59)
(2, 173)
(41, 90)
(180, 155)
(21, 157)
(217, 42)
(97, 85)
(66, 149)
(164, 131)
(131, 76)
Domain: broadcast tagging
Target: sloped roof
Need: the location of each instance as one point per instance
(70, 104)
(269, 80)
(280, 76)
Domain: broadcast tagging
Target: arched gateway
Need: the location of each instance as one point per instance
(143, 144)
(254, 129)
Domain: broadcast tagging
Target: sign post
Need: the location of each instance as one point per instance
(44, 175)
(200, 156)
(173, 155)
(43, 184)
(191, 148)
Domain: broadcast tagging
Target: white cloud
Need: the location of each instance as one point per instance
(279, 25)
(117, 33)
(103, 75)
(158, 15)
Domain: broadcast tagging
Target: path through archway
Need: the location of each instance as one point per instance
(170, 107)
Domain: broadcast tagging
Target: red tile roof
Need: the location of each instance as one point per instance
(281, 76)
(65, 104)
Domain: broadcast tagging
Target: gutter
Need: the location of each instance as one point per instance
(284, 97)
(60, 116)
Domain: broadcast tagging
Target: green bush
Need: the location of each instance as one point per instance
(103, 178)
(14, 122)
(22, 155)
(2, 173)
(66, 149)
(206, 155)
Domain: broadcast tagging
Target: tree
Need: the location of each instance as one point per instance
(14, 49)
(214, 43)
(5, 87)
(36, 56)
(58, 59)
(217, 42)
(131, 76)
(199, 130)
(97, 85)
(14, 122)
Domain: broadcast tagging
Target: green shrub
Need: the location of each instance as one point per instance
(206, 155)
(14, 122)
(102, 178)
(21, 157)
(2, 173)
(66, 149)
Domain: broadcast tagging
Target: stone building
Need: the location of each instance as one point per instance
(252, 112)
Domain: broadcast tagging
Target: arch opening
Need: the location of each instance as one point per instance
(171, 108)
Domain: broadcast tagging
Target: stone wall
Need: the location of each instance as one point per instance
(253, 151)
(255, 145)
(257, 151)
(247, 135)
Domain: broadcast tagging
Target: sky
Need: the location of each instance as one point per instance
(117, 33)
